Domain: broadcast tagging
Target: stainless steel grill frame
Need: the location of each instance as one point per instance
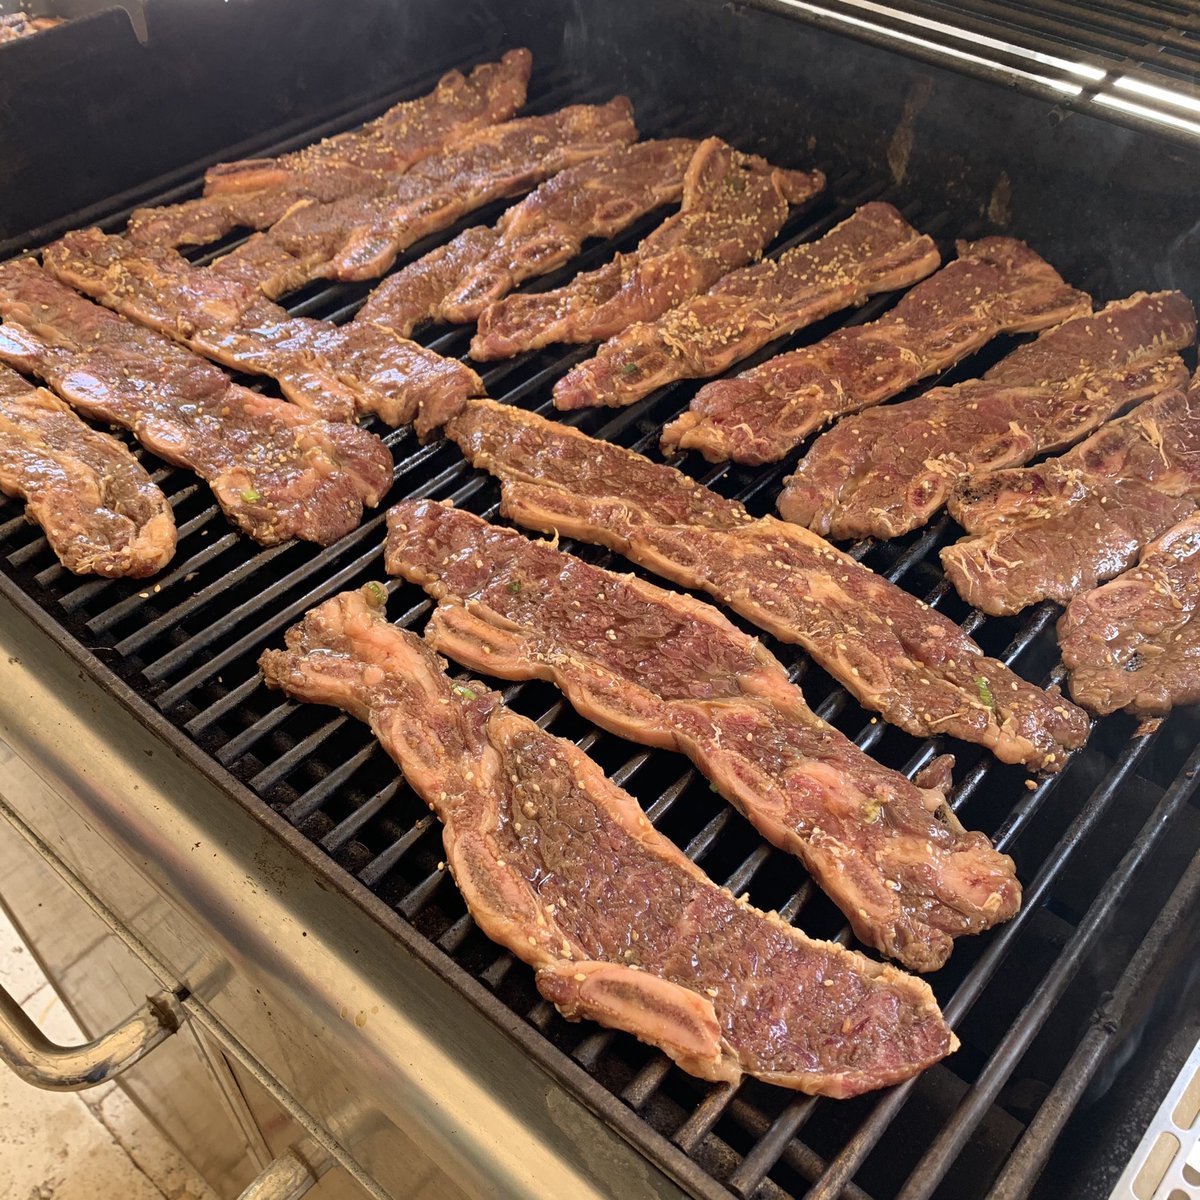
(1098, 846)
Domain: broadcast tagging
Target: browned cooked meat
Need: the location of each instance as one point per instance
(561, 867)
(1054, 530)
(598, 198)
(733, 205)
(359, 237)
(254, 193)
(101, 512)
(997, 285)
(895, 654)
(1134, 643)
(885, 472)
(277, 471)
(333, 370)
(874, 250)
(667, 670)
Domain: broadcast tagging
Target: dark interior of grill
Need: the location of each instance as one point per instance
(1100, 847)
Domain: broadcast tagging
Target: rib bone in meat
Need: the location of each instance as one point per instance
(894, 653)
(997, 285)
(277, 471)
(254, 193)
(873, 250)
(885, 472)
(101, 512)
(733, 206)
(561, 867)
(596, 199)
(1054, 530)
(670, 671)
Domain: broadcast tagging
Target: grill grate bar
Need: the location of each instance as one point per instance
(704, 1116)
(1006, 1056)
(157, 671)
(865, 1138)
(183, 609)
(127, 606)
(1119, 66)
(422, 893)
(378, 867)
(1036, 1144)
(646, 1082)
(797, 1154)
(751, 1171)
(341, 833)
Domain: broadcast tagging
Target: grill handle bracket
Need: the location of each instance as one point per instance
(52, 1067)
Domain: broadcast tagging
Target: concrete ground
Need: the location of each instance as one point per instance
(93, 1145)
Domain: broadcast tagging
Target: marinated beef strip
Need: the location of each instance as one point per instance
(598, 198)
(1134, 643)
(873, 250)
(885, 472)
(733, 206)
(254, 193)
(276, 471)
(1057, 529)
(101, 512)
(359, 237)
(669, 671)
(336, 371)
(997, 285)
(561, 867)
(896, 655)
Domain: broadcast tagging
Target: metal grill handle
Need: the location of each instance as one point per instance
(55, 1068)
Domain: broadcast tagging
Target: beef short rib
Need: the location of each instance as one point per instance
(997, 285)
(667, 670)
(561, 867)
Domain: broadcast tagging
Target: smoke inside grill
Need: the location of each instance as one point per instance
(1098, 847)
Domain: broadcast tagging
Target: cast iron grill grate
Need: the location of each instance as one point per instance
(1098, 846)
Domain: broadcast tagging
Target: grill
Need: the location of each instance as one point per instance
(1136, 61)
(1041, 1004)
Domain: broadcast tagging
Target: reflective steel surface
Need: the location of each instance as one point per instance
(383, 1064)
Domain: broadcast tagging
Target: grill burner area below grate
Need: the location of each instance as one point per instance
(1098, 846)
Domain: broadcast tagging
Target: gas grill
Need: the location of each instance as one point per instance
(272, 872)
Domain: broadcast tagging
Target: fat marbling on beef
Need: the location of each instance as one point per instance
(359, 237)
(1134, 643)
(996, 285)
(596, 199)
(276, 471)
(99, 509)
(897, 655)
(670, 671)
(254, 193)
(886, 471)
(336, 371)
(733, 206)
(873, 250)
(1054, 530)
(561, 867)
